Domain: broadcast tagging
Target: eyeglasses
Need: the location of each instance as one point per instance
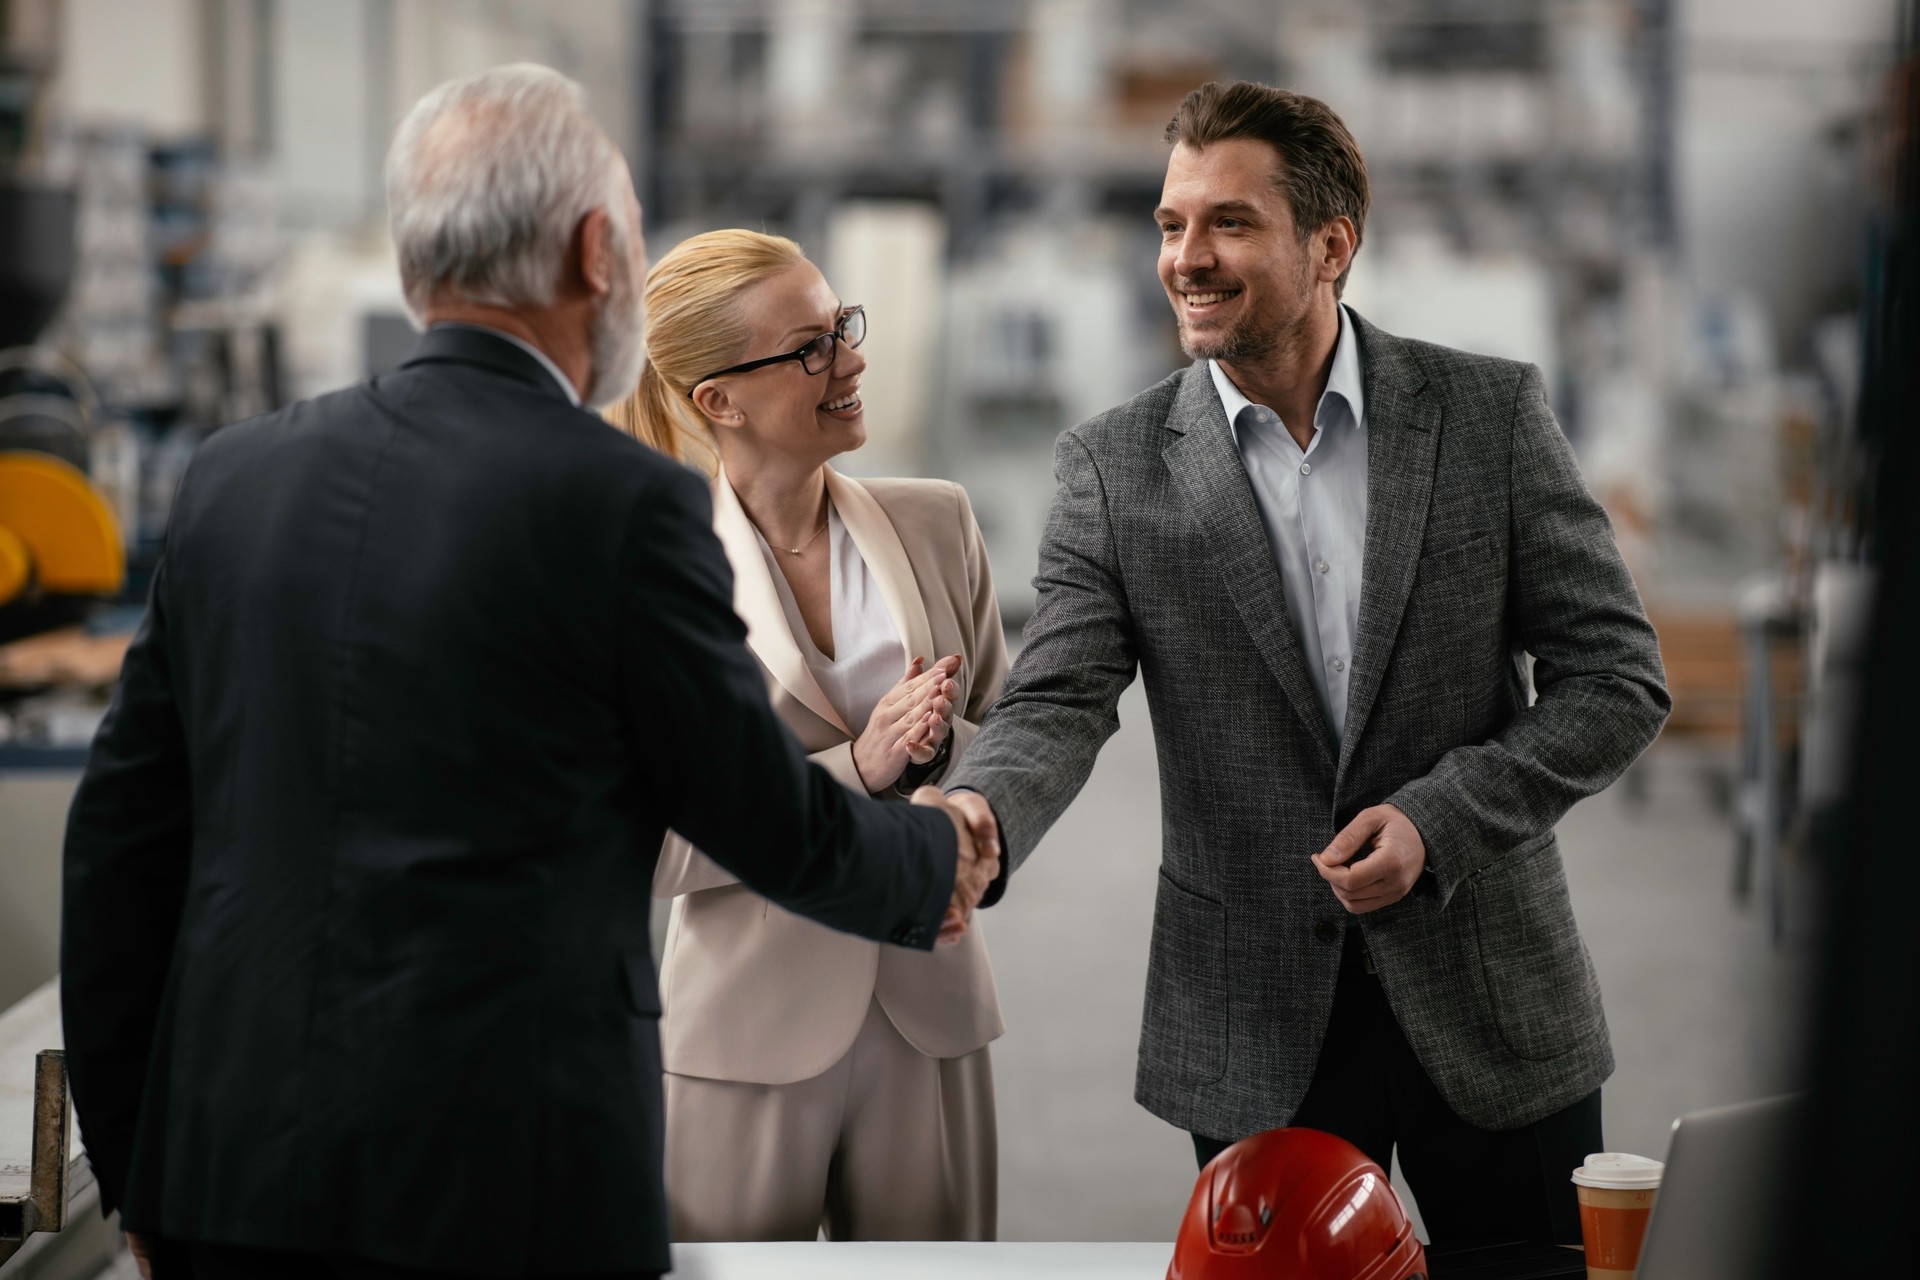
(817, 356)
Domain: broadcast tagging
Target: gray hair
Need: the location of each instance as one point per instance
(486, 181)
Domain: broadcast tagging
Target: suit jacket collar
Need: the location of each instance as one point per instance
(466, 344)
(1207, 469)
(1403, 439)
(880, 546)
(757, 600)
(1344, 382)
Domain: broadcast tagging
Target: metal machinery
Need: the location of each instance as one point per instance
(61, 550)
(61, 547)
(59, 541)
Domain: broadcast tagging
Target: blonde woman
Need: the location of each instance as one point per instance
(816, 1080)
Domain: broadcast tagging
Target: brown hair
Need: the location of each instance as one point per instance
(694, 326)
(1322, 172)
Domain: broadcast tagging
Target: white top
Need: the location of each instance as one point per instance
(1314, 504)
(868, 655)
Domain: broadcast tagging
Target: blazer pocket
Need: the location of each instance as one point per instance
(1540, 981)
(643, 989)
(1183, 1033)
(1448, 557)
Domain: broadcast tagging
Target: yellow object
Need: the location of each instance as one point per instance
(16, 567)
(64, 523)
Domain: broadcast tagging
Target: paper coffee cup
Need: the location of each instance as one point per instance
(1616, 1194)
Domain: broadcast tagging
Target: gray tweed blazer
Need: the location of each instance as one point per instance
(1482, 547)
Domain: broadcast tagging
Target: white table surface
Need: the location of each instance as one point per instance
(918, 1260)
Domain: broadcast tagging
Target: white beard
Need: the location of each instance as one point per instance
(618, 346)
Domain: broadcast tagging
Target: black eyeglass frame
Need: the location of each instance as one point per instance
(835, 335)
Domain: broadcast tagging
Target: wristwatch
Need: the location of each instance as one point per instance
(915, 776)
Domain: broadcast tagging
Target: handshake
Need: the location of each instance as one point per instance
(979, 861)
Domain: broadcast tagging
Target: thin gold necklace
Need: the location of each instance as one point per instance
(794, 551)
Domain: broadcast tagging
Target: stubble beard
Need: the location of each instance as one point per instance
(1248, 341)
(1254, 338)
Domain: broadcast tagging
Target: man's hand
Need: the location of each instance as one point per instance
(1374, 861)
(142, 1254)
(986, 838)
(977, 866)
(980, 820)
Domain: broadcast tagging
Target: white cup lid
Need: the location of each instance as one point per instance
(1620, 1171)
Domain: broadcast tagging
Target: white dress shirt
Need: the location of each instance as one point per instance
(868, 655)
(1314, 504)
(566, 383)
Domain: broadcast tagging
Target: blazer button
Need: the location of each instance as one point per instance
(1326, 930)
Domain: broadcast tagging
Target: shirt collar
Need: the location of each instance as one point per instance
(546, 362)
(1343, 380)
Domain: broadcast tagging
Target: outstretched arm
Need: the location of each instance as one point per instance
(684, 869)
(1058, 709)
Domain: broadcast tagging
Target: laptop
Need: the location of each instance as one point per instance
(1718, 1192)
(1708, 1223)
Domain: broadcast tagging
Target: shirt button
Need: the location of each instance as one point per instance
(1339, 664)
(1321, 566)
(1306, 468)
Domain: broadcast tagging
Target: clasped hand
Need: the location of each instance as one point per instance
(978, 864)
(908, 725)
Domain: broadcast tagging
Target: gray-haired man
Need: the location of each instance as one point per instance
(356, 975)
(1329, 551)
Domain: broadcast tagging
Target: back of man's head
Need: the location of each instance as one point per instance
(487, 179)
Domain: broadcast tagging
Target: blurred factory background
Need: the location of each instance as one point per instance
(1674, 207)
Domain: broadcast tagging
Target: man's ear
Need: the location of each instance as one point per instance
(1340, 244)
(593, 249)
(717, 407)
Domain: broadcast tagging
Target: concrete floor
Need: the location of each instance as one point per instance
(1701, 1004)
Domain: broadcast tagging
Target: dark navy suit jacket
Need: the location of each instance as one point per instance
(355, 950)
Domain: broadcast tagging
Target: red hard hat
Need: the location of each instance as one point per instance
(1295, 1204)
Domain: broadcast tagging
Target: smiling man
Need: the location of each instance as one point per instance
(1330, 552)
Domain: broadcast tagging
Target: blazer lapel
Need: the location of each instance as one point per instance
(1207, 468)
(757, 601)
(1403, 435)
(886, 558)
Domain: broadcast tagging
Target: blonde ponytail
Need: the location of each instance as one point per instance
(663, 419)
(694, 326)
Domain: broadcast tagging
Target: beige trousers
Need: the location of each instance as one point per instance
(886, 1144)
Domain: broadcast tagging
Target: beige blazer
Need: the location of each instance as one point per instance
(752, 992)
